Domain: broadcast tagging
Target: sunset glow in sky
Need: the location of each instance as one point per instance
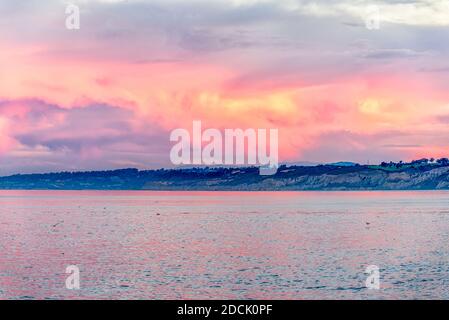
(108, 95)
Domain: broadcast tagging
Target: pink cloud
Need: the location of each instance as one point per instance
(111, 92)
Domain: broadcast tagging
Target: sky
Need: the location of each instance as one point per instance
(108, 95)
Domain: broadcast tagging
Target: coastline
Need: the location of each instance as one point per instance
(288, 178)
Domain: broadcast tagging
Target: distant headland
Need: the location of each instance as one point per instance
(423, 174)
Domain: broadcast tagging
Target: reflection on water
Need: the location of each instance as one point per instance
(220, 245)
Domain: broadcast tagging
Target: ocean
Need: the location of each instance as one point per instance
(224, 245)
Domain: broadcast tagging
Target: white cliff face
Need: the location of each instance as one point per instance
(365, 179)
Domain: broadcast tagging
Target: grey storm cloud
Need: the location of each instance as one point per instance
(92, 125)
(394, 54)
(67, 133)
(160, 30)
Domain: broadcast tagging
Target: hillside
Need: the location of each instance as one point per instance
(412, 176)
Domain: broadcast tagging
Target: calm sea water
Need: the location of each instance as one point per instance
(220, 245)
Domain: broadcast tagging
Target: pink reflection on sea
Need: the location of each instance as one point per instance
(223, 245)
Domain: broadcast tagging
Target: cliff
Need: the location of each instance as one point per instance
(323, 177)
